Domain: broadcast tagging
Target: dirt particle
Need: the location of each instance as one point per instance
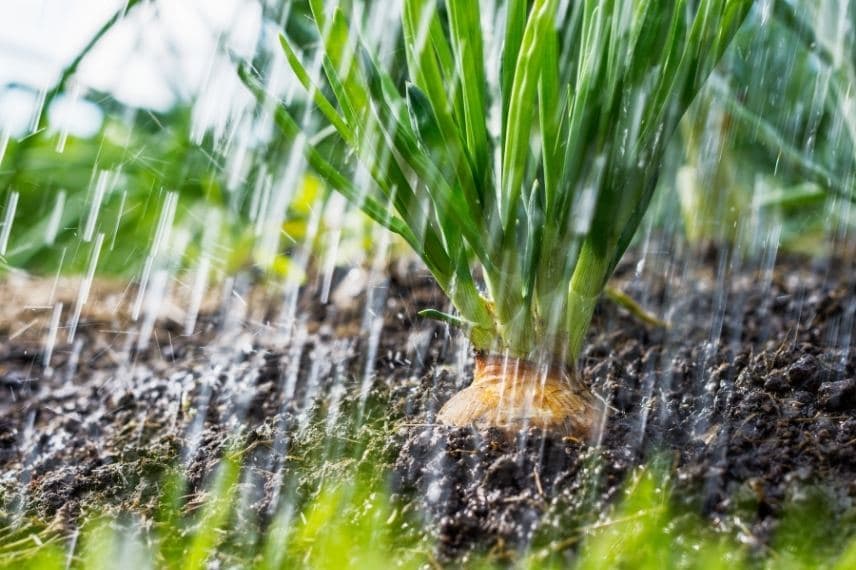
(805, 373)
(503, 472)
(776, 383)
(839, 395)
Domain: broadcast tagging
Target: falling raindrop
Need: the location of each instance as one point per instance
(8, 219)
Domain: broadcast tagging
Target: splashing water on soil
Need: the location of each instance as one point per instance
(751, 415)
(238, 356)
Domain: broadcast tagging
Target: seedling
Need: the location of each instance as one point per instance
(522, 227)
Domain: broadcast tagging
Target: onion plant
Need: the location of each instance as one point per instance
(522, 224)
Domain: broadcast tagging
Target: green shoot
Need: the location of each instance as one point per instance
(521, 227)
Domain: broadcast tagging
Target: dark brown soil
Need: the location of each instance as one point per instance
(749, 417)
(751, 393)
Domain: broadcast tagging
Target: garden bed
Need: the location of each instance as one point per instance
(749, 398)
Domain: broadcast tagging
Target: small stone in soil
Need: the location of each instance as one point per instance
(839, 395)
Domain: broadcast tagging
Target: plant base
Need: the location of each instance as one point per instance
(513, 394)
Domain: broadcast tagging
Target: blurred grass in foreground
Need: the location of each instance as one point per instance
(355, 523)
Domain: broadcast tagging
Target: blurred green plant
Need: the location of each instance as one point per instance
(353, 522)
(121, 177)
(117, 183)
(771, 139)
(60, 191)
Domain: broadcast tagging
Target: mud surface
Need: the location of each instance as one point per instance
(752, 405)
(750, 394)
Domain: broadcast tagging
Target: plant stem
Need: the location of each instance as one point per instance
(590, 274)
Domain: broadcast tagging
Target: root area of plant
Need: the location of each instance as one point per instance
(749, 398)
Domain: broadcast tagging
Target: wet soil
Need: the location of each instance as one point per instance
(749, 394)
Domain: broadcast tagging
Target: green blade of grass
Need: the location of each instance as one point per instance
(317, 96)
(403, 197)
(290, 129)
(465, 20)
(515, 24)
(214, 515)
(448, 70)
(520, 111)
(340, 48)
(355, 118)
(417, 20)
(550, 116)
(450, 206)
(622, 299)
(423, 120)
(445, 317)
